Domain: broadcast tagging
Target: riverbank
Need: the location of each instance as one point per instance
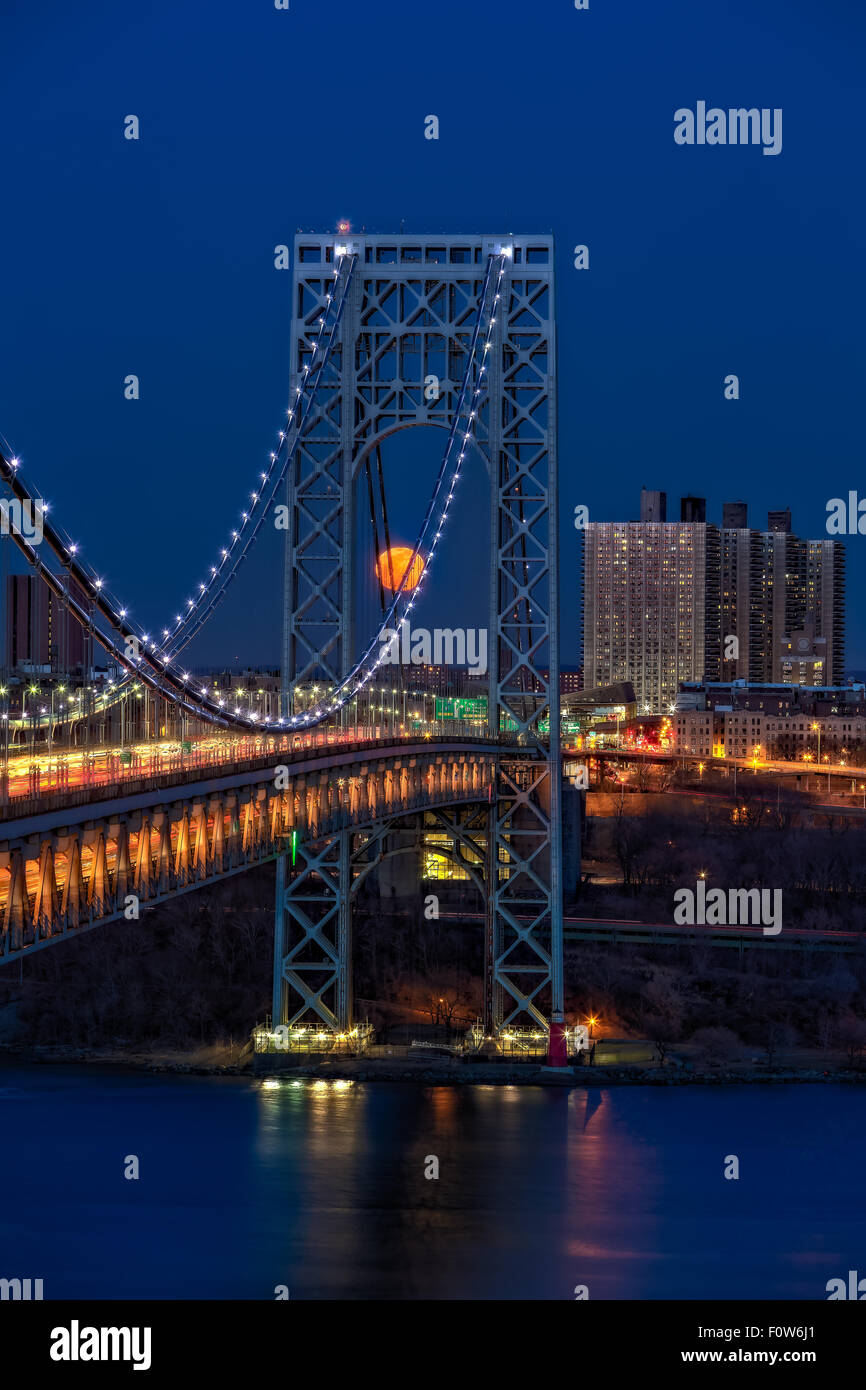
(217, 1061)
(525, 1074)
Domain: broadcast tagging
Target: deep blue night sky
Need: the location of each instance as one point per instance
(156, 257)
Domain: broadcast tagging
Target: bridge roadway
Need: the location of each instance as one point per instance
(29, 780)
(85, 855)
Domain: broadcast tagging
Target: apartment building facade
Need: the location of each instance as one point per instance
(666, 602)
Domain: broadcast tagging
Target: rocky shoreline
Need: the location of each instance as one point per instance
(499, 1075)
(428, 1072)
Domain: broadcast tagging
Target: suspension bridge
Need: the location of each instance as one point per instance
(387, 333)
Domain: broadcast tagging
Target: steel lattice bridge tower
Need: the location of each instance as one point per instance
(446, 331)
(387, 333)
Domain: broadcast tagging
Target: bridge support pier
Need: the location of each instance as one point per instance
(278, 1005)
(344, 936)
(312, 934)
(366, 396)
(313, 938)
(492, 946)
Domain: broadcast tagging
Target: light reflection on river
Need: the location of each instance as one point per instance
(320, 1186)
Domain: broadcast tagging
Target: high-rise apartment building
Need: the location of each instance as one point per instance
(645, 588)
(825, 603)
(41, 636)
(783, 601)
(662, 599)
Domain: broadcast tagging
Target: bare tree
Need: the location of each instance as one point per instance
(852, 1036)
(776, 1036)
(659, 1032)
(716, 1044)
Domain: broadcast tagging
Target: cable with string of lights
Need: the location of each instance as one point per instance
(153, 671)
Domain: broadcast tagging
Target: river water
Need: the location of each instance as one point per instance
(247, 1185)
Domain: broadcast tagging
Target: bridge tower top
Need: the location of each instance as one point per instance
(404, 253)
(408, 321)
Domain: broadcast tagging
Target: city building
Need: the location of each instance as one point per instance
(782, 608)
(440, 679)
(735, 516)
(650, 607)
(570, 680)
(653, 505)
(666, 602)
(41, 637)
(693, 509)
(600, 715)
(251, 691)
(602, 702)
(803, 657)
(794, 723)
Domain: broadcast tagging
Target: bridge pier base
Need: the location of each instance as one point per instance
(557, 1050)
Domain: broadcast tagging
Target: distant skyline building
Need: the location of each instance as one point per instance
(735, 516)
(41, 636)
(693, 509)
(570, 681)
(780, 520)
(653, 505)
(665, 599)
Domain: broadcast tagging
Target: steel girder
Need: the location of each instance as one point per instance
(524, 668)
(65, 871)
(313, 927)
(409, 315)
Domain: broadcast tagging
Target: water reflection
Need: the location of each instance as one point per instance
(353, 1163)
(323, 1186)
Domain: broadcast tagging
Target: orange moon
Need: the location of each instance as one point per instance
(394, 563)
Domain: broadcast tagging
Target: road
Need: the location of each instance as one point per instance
(669, 932)
(103, 765)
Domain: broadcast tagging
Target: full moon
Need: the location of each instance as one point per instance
(394, 563)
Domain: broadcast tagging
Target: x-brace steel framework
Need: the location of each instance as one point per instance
(409, 315)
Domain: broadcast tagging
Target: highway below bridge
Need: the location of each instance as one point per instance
(621, 931)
